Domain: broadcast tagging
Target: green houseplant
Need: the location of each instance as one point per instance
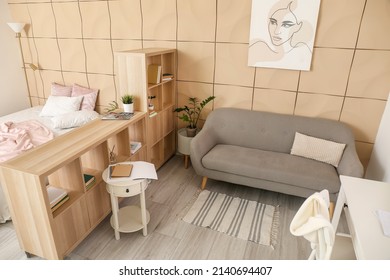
(191, 113)
(127, 101)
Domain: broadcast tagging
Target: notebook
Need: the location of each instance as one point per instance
(121, 170)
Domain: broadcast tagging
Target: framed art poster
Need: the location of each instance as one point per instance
(282, 33)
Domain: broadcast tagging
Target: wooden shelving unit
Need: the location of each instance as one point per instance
(61, 163)
(132, 74)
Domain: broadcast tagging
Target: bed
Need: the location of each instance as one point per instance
(66, 108)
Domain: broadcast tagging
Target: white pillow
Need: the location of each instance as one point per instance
(58, 105)
(74, 119)
(317, 149)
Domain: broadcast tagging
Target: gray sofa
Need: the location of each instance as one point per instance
(252, 148)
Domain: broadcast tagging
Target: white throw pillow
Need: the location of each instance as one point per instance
(317, 149)
(58, 105)
(74, 119)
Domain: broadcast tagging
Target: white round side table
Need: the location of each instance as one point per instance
(129, 218)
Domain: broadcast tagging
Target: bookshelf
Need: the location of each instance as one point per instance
(62, 163)
(133, 73)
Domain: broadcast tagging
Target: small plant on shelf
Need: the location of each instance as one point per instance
(127, 99)
(191, 113)
(150, 105)
(112, 106)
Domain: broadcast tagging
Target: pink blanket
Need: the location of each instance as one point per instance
(15, 138)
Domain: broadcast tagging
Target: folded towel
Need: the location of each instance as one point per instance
(312, 217)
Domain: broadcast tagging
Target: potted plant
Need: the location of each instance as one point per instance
(191, 113)
(150, 105)
(127, 101)
(112, 107)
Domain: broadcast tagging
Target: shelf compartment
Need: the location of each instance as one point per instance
(168, 94)
(169, 145)
(156, 154)
(137, 131)
(167, 121)
(71, 226)
(154, 129)
(120, 145)
(73, 197)
(168, 63)
(96, 173)
(157, 102)
(140, 155)
(98, 203)
(61, 179)
(153, 59)
(96, 158)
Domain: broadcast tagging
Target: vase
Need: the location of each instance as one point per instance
(128, 108)
(184, 145)
(191, 132)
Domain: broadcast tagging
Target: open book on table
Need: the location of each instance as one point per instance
(140, 170)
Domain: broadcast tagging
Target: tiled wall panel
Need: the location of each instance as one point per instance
(74, 42)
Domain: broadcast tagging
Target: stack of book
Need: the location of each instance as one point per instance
(57, 197)
(89, 181)
(167, 77)
(135, 146)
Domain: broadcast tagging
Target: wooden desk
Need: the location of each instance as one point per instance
(363, 197)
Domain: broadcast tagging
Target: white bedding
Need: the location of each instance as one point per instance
(24, 115)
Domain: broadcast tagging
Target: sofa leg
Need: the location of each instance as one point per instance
(204, 181)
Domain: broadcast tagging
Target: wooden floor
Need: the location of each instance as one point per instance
(170, 238)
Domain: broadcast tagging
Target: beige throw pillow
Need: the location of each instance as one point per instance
(317, 149)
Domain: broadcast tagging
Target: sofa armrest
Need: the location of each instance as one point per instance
(203, 142)
(350, 164)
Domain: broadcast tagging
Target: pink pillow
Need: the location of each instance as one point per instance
(60, 90)
(89, 94)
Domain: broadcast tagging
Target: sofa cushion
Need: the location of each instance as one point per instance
(318, 149)
(272, 166)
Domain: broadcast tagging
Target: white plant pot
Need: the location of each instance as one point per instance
(183, 142)
(128, 108)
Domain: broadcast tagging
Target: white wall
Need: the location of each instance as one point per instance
(13, 87)
(379, 166)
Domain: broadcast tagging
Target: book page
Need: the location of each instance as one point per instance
(141, 170)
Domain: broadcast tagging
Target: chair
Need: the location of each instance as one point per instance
(312, 221)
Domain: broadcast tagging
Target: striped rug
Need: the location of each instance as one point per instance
(241, 218)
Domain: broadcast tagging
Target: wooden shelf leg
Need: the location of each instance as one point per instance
(204, 181)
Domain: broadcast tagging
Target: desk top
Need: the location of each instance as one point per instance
(364, 197)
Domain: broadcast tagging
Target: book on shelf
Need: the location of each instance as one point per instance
(167, 77)
(117, 116)
(120, 170)
(57, 197)
(135, 146)
(55, 194)
(152, 113)
(59, 203)
(89, 180)
(154, 74)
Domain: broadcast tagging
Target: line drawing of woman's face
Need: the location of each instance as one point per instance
(282, 26)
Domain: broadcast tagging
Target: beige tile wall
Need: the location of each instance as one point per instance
(73, 42)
